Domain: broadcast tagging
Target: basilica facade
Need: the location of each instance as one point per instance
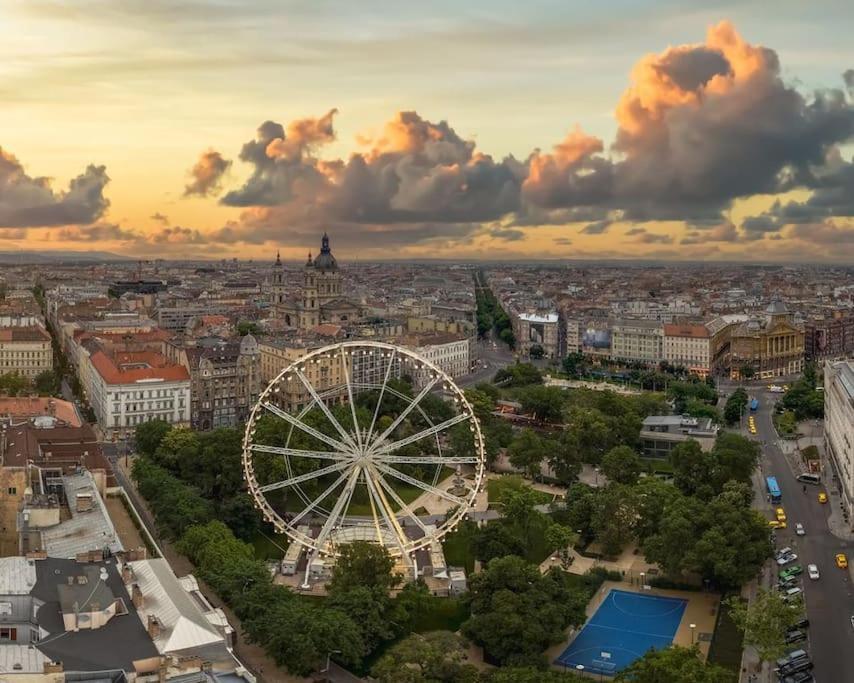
(320, 299)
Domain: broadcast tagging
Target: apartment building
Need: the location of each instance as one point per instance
(640, 341)
(25, 350)
(839, 426)
(574, 335)
(126, 389)
(451, 353)
(538, 330)
(688, 346)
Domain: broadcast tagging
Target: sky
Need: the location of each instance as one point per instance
(479, 130)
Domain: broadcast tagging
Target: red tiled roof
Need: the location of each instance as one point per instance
(33, 406)
(23, 334)
(114, 369)
(696, 331)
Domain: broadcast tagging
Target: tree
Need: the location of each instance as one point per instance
(13, 384)
(536, 351)
(764, 621)
(735, 405)
(693, 470)
(178, 445)
(736, 457)
(563, 457)
(527, 674)
(614, 517)
(622, 465)
(561, 538)
(747, 372)
(519, 375)
(361, 563)
(497, 539)
(526, 452)
(434, 657)
(669, 543)
(46, 383)
(572, 363)
(245, 327)
(518, 507)
(672, 664)
(517, 612)
(544, 403)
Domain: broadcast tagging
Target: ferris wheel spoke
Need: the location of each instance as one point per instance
(335, 512)
(314, 474)
(297, 453)
(435, 429)
(384, 507)
(356, 429)
(322, 405)
(313, 504)
(344, 448)
(403, 506)
(420, 484)
(426, 459)
(380, 398)
(405, 412)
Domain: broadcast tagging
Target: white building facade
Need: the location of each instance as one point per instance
(839, 426)
(688, 346)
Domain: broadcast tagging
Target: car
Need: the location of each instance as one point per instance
(812, 572)
(801, 624)
(794, 667)
(822, 497)
(799, 529)
(792, 594)
(841, 561)
(791, 557)
(795, 637)
(786, 584)
(800, 677)
(793, 656)
(780, 513)
(783, 551)
(789, 572)
(776, 524)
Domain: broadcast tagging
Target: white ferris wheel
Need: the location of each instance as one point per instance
(337, 450)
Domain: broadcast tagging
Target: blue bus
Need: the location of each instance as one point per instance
(754, 405)
(773, 489)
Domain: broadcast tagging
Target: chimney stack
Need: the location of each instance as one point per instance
(127, 574)
(153, 627)
(136, 596)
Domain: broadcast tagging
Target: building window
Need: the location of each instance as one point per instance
(8, 633)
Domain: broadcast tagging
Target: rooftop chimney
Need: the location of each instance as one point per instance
(136, 596)
(127, 573)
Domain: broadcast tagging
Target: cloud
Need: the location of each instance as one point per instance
(27, 201)
(207, 174)
(160, 218)
(699, 126)
(596, 228)
(110, 232)
(507, 234)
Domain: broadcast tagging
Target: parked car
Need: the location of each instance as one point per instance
(795, 667)
(783, 586)
(793, 656)
(841, 561)
(783, 551)
(822, 497)
(791, 572)
(801, 677)
(795, 636)
(812, 571)
(799, 529)
(780, 514)
(792, 594)
(802, 624)
(785, 559)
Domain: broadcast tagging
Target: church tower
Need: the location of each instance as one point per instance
(310, 312)
(277, 283)
(327, 273)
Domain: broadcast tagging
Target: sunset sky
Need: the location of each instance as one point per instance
(561, 129)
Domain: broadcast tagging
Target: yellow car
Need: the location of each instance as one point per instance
(781, 514)
(842, 561)
(822, 497)
(777, 524)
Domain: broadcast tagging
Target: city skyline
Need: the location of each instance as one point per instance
(235, 129)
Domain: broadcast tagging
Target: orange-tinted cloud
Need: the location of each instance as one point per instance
(206, 174)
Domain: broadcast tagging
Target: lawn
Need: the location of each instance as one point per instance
(658, 465)
(458, 547)
(495, 489)
(726, 647)
(269, 547)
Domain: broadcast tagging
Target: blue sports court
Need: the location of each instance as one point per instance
(624, 627)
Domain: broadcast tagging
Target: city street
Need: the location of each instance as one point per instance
(829, 600)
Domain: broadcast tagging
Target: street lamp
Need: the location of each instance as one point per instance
(580, 669)
(693, 626)
(643, 580)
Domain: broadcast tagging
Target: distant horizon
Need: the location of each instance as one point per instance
(499, 130)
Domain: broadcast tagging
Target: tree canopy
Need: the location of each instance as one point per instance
(672, 664)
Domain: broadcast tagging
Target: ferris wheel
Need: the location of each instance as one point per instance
(341, 447)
